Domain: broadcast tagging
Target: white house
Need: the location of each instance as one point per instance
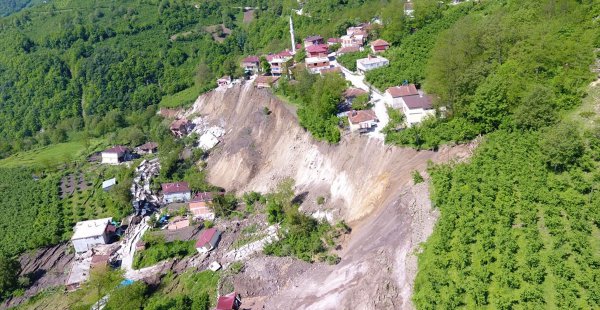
(316, 64)
(366, 64)
(91, 233)
(416, 108)
(393, 95)
(115, 155)
(176, 192)
(208, 240)
(200, 206)
(362, 120)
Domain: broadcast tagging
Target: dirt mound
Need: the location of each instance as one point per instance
(364, 182)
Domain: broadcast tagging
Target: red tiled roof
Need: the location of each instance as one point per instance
(317, 48)
(349, 49)
(379, 42)
(360, 116)
(353, 92)
(202, 197)
(404, 90)
(178, 187)
(251, 59)
(119, 149)
(418, 102)
(226, 302)
(205, 237)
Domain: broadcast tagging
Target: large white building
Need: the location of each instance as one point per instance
(367, 64)
(176, 192)
(115, 155)
(91, 233)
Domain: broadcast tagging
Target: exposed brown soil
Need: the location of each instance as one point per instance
(366, 183)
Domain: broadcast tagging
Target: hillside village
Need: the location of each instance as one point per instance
(166, 222)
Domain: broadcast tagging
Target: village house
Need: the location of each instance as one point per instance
(180, 127)
(316, 64)
(108, 184)
(333, 41)
(393, 95)
(416, 108)
(266, 81)
(251, 64)
(200, 206)
(379, 46)
(224, 81)
(355, 36)
(347, 50)
(176, 192)
(208, 240)
(91, 233)
(362, 120)
(351, 93)
(370, 63)
(312, 40)
(280, 62)
(319, 50)
(115, 155)
(147, 148)
(231, 301)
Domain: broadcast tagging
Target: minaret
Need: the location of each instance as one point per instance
(292, 34)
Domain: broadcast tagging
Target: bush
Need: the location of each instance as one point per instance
(320, 200)
(208, 224)
(236, 267)
(417, 178)
(157, 249)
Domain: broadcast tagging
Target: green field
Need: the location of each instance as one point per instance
(183, 98)
(51, 156)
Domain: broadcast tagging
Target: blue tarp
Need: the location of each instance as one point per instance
(126, 282)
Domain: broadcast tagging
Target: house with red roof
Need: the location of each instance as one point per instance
(251, 64)
(231, 301)
(280, 62)
(115, 155)
(312, 40)
(379, 46)
(200, 206)
(393, 95)
(176, 192)
(362, 120)
(318, 50)
(417, 107)
(208, 240)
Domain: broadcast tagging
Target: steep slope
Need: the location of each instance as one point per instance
(366, 183)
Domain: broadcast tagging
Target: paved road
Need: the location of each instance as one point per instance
(377, 98)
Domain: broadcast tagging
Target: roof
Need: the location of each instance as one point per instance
(318, 48)
(176, 124)
(356, 117)
(404, 90)
(279, 56)
(313, 38)
(148, 146)
(226, 302)
(91, 228)
(380, 42)
(109, 183)
(97, 259)
(178, 187)
(371, 60)
(419, 102)
(119, 149)
(334, 40)
(202, 197)
(353, 92)
(349, 49)
(310, 60)
(266, 79)
(251, 59)
(206, 236)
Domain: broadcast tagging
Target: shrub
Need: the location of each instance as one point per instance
(417, 178)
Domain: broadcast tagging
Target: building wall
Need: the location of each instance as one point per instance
(85, 244)
(110, 158)
(177, 197)
(416, 116)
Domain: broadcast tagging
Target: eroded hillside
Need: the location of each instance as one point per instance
(364, 182)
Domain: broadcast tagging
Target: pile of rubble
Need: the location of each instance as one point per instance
(144, 201)
(209, 136)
